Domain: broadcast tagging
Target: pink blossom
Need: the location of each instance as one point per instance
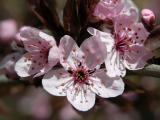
(81, 79)
(109, 9)
(125, 47)
(8, 64)
(148, 17)
(42, 53)
(8, 29)
(9, 61)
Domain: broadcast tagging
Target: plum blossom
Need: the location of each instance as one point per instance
(148, 17)
(81, 79)
(125, 46)
(9, 61)
(42, 53)
(8, 30)
(109, 9)
(8, 64)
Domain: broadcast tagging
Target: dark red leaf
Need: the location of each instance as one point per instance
(85, 11)
(70, 18)
(45, 10)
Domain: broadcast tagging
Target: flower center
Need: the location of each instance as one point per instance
(80, 75)
(122, 44)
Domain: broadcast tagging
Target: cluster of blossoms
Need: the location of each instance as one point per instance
(81, 76)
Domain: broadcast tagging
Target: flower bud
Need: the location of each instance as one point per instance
(8, 29)
(148, 17)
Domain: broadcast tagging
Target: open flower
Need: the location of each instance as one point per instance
(81, 79)
(109, 9)
(125, 46)
(42, 53)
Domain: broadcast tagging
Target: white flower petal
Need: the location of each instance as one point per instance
(71, 55)
(56, 82)
(103, 36)
(95, 52)
(131, 9)
(114, 65)
(105, 86)
(53, 56)
(137, 58)
(22, 66)
(30, 64)
(47, 37)
(81, 99)
(35, 40)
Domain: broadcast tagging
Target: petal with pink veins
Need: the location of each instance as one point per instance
(95, 52)
(30, 64)
(71, 55)
(31, 33)
(47, 67)
(137, 57)
(53, 56)
(56, 82)
(114, 65)
(123, 23)
(105, 37)
(42, 50)
(108, 9)
(65, 47)
(140, 34)
(106, 86)
(130, 9)
(82, 99)
(35, 41)
(134, 32)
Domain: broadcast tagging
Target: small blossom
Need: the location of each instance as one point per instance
(125, 47)
(42, 53)
(109, 9)
(8, 64)
(8, 29)
(9, 61)
(81, 79)
(148, 17)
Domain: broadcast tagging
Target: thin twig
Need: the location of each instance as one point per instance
(150, 70)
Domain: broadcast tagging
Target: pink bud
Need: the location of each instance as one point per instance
(148, 17)
(8, 29)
